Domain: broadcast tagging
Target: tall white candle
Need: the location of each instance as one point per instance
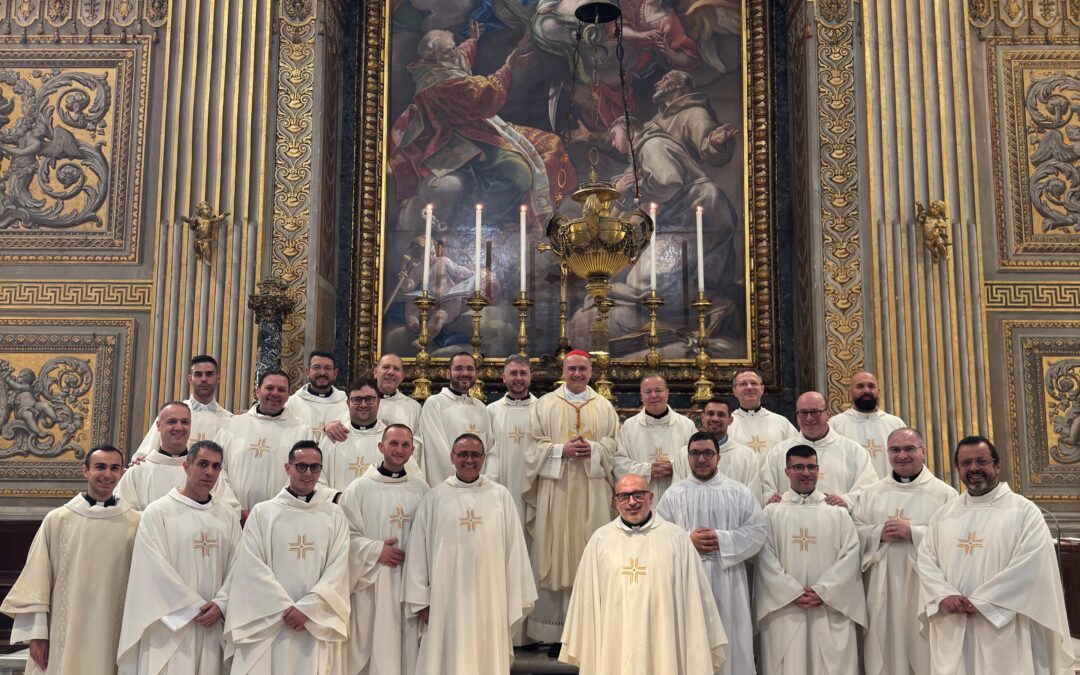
(521, 254)
(428, 212)
(652, 249)
(476, 263)
(700, 254)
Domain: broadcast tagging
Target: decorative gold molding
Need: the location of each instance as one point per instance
(75, 293)
(1031, 296)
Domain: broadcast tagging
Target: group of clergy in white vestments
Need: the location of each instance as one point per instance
(355, 530)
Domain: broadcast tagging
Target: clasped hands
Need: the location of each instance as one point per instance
(577, 448)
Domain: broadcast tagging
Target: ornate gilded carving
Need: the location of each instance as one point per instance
(935, 227)
(297, 10)
(57, 12)
(43, 413)
(204, 223)
(979, 12)
(1063, 409)
(1051, 107)
(271, 302)
(1029, 296)
(76, 293)
(157, 12)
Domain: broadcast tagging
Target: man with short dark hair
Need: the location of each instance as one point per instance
(467, 572)
(67, 599)
(808, 592)
(648, 441)
(183, 552)
(292, 574)
(864, 423)
(991, 587)
(319, 401)
(737, 462)
(207, 416)
(510, 427)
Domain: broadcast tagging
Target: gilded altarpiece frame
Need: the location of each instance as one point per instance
(377, 256)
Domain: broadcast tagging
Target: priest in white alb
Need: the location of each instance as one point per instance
(395, 407)
(727, 528)
(648, 442)
(642, 601)
(318, 401)
(163, 469)
(207, 416)
(384, 639)
(510, 417)
(991, 587)
(845, 465)
(258, 442)
(567, 487)
(290, 584)
(865, 423)
(447, 415)
(808, 593)
(752, 424)
(737, 462)
(183, 551)
(467, 575)
(891, 517)
(68, 599)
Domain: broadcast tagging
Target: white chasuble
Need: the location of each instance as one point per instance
(760, 429)
(996, 551)
(383, 639)
(870, 430)
(844, 465)
(71, 590)
(183, 552)
(644, 440)
(810, 544)
(400, 409)
(737, 462)
(467, 564)
(207, 421)
(642, 605)
(293, 554)
(892, 643)
(443, 418)
(318, 410)
(158, 475)
(510, 428)
(346, 461)
(729, 508)
(256, 451)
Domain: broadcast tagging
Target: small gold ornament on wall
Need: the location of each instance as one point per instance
(204, 226)
(934, 226)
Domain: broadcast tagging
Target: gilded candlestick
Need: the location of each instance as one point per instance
(523, 304)
(477, 303)
(653, 302)
(602, 360)
(702, 387)
(421, 382)
(564, 340)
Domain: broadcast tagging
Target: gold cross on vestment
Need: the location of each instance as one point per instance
(756, 444)
(658, 455)
(899, 515)
(873, 447)
(970, 544)
(259, 448)
(301, 547)
(398, 518)
(200, 438)
(318, 428)
(470, 520)
(358, 467)
(472, 429)
(803, 539)
(633, 570)
(516, 435)
(204, 543)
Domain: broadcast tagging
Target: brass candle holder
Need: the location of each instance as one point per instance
(653, 302)
(702, 387)
(477, 303)
(523, 304)
(602, 360)
(564, 339)
(421, 382)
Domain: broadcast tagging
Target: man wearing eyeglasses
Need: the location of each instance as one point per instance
(845, 465)
(726, 527)
(991, 588)
(648, 441)
(319, 401)
(736, 461)
(865, 423)
(641, 582)
(467, 574)
(290, 582)
(808, 593)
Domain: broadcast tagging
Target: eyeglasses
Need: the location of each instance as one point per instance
(799, 468)
(469, 455)
(810, 413)
(368, 400)
(304, 468)
(701, 454)
(981, 462)
(896, 449)
(638, 496)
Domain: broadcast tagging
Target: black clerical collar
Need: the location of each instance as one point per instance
(901, 479)
(390, 474)
(656, 417)
(258, 409)
(386, 396)
(111, 501)
(750, 410)
(169, 454)
(306, 498)
(639, 525)
(202, 502)
(328, 394)
(512, 398)
(458, 393)
(363, 427)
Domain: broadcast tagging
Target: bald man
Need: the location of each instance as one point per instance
(865, 423)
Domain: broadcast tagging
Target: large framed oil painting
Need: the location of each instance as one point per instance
(502, 103)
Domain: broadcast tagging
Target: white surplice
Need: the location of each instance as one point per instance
(318, 410)
(737, 462)
(733, 511)
(893, 643)
(467, 563)
(995, 550)
(870, 430)
(183, 552)
(642, 604)
(513, 436)
(383, 639)
(71, 590)
(151, 480)
(256, 451)
(644, 440)
(760, 429)
(566, 499)
(400, 409)
(844, 465)
(207, 420)
(294, 553)
(346, 461)
(444, 417)
(809, 544)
